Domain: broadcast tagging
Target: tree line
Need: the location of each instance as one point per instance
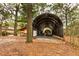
(24, 13)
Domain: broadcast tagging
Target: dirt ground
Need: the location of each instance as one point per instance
(16, 46)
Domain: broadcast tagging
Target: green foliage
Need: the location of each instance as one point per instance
(22, 19)
(63, 10)
(73, 29)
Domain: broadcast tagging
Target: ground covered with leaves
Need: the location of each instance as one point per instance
(16, 46)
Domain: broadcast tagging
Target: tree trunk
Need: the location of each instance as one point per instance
(66, 17)
(29, 22)
(16, 17)
(1, 28)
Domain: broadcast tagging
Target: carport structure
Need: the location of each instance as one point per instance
(48, 24)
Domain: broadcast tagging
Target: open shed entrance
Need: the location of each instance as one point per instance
(47, 24)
